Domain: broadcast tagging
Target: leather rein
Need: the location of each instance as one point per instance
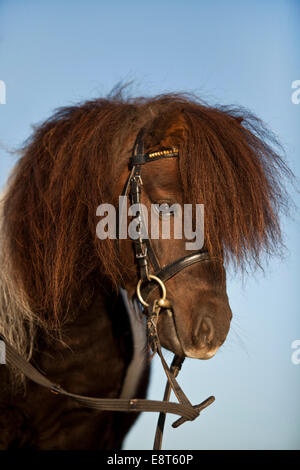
(145, 255)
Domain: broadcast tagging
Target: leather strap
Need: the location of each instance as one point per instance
(170, 270)
(175, 368)
(184, 409)
(152, 320)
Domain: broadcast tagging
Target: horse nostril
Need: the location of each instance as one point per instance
(205, 332)
(208, 327)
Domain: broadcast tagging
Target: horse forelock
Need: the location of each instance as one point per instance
(233, 164)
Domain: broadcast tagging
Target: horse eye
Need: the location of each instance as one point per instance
(164, 209)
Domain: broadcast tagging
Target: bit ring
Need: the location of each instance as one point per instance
(151, 278)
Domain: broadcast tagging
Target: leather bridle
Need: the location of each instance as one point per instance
(144, 252)
(145, 256)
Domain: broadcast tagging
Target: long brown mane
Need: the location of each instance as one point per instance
(228, 162)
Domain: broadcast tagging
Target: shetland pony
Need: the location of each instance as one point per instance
(60, 303)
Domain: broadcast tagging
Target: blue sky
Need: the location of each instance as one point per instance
(231, 52)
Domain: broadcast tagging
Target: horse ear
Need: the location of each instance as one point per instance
(239, 119)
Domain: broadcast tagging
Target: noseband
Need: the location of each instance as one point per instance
(147, 283)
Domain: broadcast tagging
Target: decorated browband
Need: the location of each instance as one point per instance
(141, 159)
